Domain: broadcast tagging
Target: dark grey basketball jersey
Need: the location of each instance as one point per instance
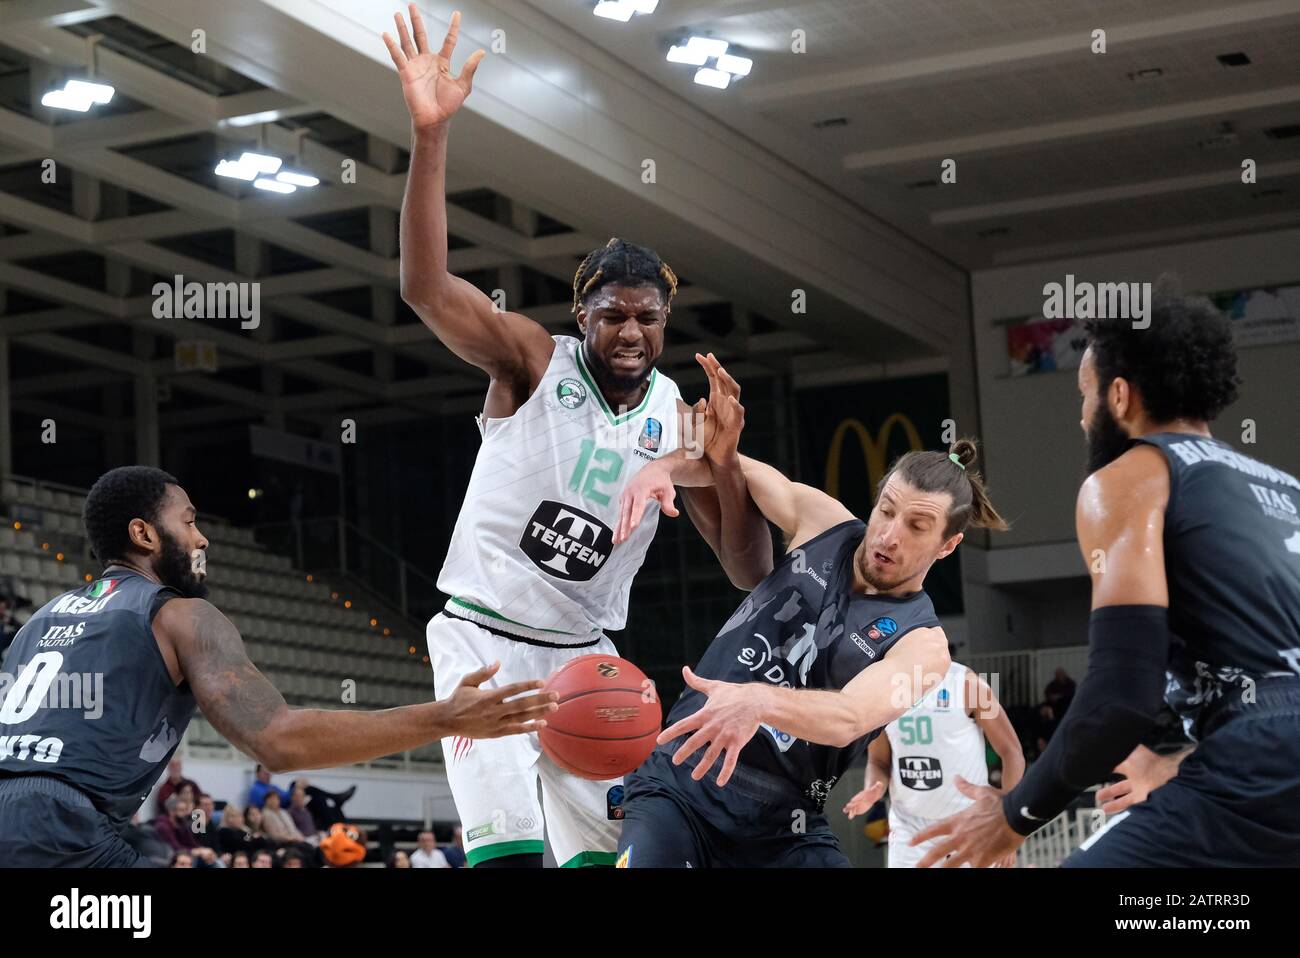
(86, 696)
(1232, 561)
(803, 627)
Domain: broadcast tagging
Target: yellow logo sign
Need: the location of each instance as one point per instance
(874, 451)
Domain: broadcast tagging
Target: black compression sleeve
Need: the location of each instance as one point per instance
(1116, 703)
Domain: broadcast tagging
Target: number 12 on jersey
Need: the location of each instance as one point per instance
(610, 465)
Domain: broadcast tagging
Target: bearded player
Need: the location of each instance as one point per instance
(533, 573)
(1194, 550)
(835, 643)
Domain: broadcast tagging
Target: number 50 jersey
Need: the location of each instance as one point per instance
(532, 552)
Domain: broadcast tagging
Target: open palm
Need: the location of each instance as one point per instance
(432, 93)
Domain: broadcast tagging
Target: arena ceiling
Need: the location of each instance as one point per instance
(814, 174)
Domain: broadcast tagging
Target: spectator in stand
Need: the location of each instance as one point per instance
(263, 859)
(204, 857)
(277, 823)
(326, 807)
(208, 807)
(301, 817)
(235, 836)
(455, 852)
(172, 784)
(399, 859)
(207, 825)
(253, 819)
(292, 859)
(428, 855)
(1044, 725)
(239, 860)
(182, 860)
(1059, 693)
(175, 827)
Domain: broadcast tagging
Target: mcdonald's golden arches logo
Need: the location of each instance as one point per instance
(874, 451)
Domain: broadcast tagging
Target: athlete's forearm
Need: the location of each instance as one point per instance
(815, 715)
(423, 224)
(746, 542)
(323, 738)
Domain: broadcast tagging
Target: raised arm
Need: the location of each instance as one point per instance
(507, 346)
(725, 513)
(204, 648)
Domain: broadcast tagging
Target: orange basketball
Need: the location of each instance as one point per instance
(608, 719)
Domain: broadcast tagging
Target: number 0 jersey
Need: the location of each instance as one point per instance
(87, 698)
(532, 552)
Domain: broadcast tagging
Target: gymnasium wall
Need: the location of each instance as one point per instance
(1033, 443)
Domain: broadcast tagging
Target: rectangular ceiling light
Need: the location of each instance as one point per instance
(707, 76)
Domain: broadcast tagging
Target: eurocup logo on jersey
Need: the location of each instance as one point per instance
(566, 541)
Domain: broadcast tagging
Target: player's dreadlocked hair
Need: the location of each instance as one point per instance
(622, 264)
(952, 472)
(1184, 364)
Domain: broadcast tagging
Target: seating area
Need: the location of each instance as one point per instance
(316, 646)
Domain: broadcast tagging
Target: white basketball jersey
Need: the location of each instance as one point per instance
(932, 744)
(532, 552)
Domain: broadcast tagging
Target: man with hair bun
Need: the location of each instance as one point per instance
(1194, 552)
(837, 642)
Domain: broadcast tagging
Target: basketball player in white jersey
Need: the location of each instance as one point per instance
(923, 752)
(533, 574)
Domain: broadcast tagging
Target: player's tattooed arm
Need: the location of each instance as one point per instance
(248, 710)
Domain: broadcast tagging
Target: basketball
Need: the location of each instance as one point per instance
(608, 719)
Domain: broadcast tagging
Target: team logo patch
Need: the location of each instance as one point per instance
(881, 629)
(625, 859)
(571, 393)
(566, 542)
(650, 435)
(607, 669)
(614, 806)
(920, 772)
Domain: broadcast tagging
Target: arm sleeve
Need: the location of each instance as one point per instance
(1116, 704)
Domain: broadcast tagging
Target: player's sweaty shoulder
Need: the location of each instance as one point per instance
(1135, 483)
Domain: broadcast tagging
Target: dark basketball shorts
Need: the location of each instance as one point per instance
(45, 823)
(1234, 803)
(670, 821)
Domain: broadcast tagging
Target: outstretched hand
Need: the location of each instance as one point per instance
(432, 93)
(725, 723)
(725, 416)
(486, 713)
(979, 834)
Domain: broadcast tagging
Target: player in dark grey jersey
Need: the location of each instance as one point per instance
(1194, 552)
(150, 649)
(837, 641)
